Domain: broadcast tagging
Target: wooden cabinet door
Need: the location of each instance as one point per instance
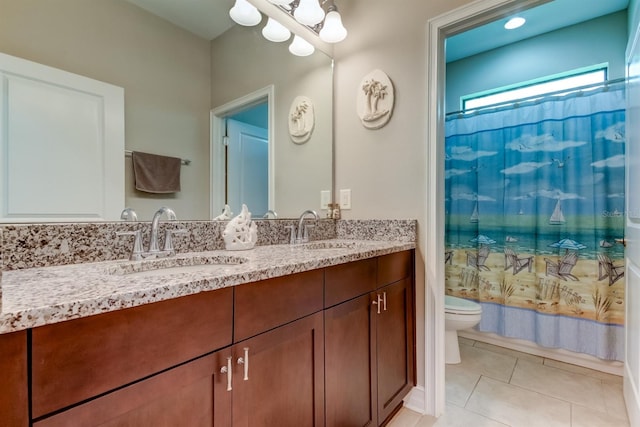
(350, 381)
(394, 330)
(14, 400)
(188, 395)
(283, 384)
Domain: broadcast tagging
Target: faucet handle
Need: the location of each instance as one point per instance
(292, 236)
(305, 233)
(168, 238)
(136, 253)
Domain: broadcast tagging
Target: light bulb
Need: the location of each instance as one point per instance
(333, 31)
(301, 47)
(275, 31)
(309, 12)
(244, 13)
(514, 23)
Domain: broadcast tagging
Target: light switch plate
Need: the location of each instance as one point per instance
(345, 199)
(325, 199)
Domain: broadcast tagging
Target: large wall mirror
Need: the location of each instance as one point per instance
(173, 79)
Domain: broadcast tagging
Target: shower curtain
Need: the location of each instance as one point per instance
(534, 219)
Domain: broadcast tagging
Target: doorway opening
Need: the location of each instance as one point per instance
(242, 154)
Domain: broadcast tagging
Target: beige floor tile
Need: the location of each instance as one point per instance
(405, 418)
(459, 384)
(509, 352)
(574, 388)
(455, 416)
(616, 379)
(487, 363)
(614, 399)
(466, 341)
(518, 407)
(587, 417)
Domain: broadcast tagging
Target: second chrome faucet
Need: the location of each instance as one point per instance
(301, 234)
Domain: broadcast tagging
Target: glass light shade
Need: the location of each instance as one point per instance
(281, 2)
(301, 47)
(333, 31)
(309, 12)
(275, 31)
(514, 23)
(244, 13)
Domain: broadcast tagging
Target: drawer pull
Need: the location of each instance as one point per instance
(378, 303)
(384, 301)
(245, 361)
(227, 370)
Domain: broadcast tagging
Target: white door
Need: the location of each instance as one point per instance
(247, 168)
(632, 235)
(61, 145)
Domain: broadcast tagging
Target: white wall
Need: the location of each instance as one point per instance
(165, 73)
(243, 62)
(592, 42)
(386, 168)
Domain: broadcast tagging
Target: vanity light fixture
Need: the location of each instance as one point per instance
(309, 12)
(281, 2)
(515, 22)
(332, 30)
(244, 13)
(275, 31)
(301, 47)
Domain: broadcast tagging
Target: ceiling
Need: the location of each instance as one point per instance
(542, 19)
(210, 18)
(205, 18)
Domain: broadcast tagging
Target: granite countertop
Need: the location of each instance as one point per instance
(40, 296)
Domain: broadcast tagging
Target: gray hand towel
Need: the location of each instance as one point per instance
(156, 174)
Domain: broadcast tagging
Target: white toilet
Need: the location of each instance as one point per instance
(459, 313)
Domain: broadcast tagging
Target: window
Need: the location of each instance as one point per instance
(546, 85)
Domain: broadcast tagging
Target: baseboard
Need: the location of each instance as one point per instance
(632, 400)
(566, 356)
(415, 400)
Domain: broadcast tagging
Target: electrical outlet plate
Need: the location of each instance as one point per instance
(345, 199)
(325, 199)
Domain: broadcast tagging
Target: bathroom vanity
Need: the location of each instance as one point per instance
(323, 338)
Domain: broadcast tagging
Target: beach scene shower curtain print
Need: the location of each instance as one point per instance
(534, 218)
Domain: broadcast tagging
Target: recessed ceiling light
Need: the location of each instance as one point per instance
(514, 23)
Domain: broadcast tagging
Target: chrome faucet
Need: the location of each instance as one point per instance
(302, 235)
(153, 240)
(154, 250)
(270, 212)
(128, 214)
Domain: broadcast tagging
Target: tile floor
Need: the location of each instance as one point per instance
(498, 387)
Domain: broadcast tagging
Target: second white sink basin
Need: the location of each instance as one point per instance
(329, 245)
(175, 265)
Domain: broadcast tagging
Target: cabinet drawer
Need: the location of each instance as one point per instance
(394, 267)
(346, 281)
(79, 359)
(188, 395)
(267, 304)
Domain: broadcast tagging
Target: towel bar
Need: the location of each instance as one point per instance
(186, 162)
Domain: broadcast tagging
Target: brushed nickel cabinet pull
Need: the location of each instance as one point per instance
(227, 370)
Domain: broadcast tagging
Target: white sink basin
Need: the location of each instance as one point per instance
(174, 265)
(329, 245)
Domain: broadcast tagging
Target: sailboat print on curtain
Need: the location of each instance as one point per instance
(557, 218)
(474, 218)
(543, 175)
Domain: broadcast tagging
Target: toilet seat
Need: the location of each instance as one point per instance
(455, 305)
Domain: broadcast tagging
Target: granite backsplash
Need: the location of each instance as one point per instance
(51, 244)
